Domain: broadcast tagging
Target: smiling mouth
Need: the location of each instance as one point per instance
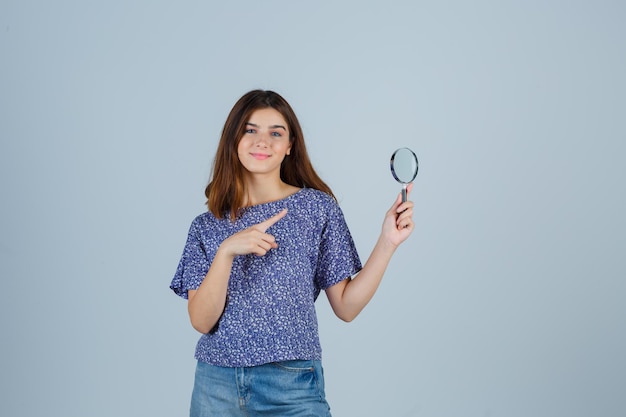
(259, 156)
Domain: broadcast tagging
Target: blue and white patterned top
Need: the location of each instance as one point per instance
(270, 312)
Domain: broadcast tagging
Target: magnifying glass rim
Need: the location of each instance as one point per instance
(393, 171)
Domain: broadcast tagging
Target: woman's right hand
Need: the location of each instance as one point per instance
(207, 303)
(253, 240)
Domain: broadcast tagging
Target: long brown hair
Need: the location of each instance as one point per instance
(225, 192)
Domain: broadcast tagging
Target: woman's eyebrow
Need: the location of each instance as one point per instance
(271, 127)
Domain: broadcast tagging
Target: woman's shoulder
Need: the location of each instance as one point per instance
(205, 219)
(317, 203)
(313, 195)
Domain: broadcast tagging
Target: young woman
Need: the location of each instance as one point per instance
(254, 264)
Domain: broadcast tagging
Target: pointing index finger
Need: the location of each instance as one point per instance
(263, 226)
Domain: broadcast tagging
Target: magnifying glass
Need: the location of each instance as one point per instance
(404, 168)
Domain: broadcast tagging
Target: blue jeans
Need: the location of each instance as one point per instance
(290, 388)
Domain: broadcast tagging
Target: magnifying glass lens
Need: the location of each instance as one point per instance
(404, 167)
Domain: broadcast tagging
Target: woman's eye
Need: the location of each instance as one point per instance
(249, 130)
(276, 134)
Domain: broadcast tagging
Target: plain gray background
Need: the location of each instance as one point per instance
(508, 300)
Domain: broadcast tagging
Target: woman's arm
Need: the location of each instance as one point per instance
(206, 304)
(348, 297)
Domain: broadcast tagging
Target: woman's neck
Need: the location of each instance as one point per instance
(259, 192)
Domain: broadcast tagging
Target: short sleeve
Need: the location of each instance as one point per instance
(338, 258)
(193, 265)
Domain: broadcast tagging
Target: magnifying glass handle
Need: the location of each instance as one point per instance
(404, 192)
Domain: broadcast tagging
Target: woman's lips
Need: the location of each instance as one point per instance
(259, 156)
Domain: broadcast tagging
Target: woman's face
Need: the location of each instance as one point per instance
(265, 143)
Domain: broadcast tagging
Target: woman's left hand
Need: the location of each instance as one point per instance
(398, 223)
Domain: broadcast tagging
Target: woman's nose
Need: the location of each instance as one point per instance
(262, 139)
